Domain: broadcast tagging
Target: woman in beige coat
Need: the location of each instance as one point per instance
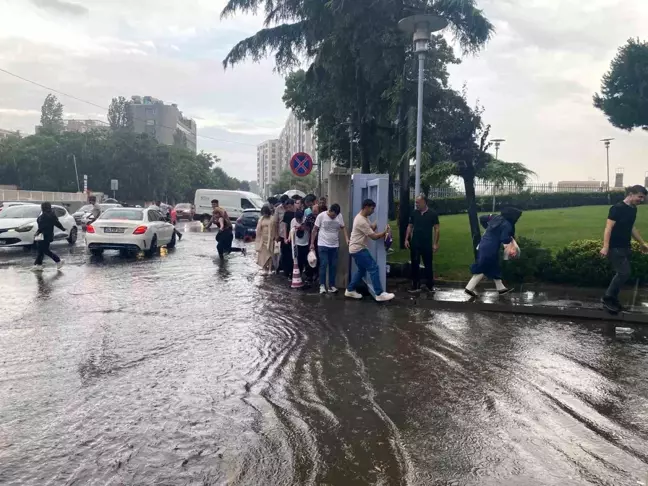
(266, 233)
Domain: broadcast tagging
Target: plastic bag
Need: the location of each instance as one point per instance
(508, 248)
(312, 259)
(39, 237)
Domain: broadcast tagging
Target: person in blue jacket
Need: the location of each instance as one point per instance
(500, 230)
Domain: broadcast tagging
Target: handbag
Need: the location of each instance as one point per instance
(39, 237)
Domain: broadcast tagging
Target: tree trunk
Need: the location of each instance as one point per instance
(471, 199)
(365, 148)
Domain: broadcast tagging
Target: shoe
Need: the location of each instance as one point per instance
(244, 251)
(610, 305)
(179, 236)
(37, 268)
(428, 289)
(504, 291)
(472, 293)
(333, 290)
(60, 264)
(352, 294)
(414, 290)
(322, 289)
(384, 297)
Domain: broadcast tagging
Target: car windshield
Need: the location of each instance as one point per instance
(257, 201)
(183, 206)
(85, 209)
(22, 211)
(121, 213)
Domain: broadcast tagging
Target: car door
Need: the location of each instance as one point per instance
(61, 215)
(157, 223)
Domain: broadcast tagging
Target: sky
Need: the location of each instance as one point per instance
(535, 78)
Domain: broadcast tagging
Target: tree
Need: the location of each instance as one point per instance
(244, 186)
(120, 115)
(624, 89)
(287, 180)
(51, 115)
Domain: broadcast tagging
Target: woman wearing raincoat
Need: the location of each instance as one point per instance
(500, 230)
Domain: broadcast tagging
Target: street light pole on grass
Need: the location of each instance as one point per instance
(421, 26)
(497, 142)
(607, 141)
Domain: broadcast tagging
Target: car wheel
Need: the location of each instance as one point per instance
(96, 252)
(173, 241)
(73, 236)
(153, 248)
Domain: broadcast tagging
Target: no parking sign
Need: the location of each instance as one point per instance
(301, 164)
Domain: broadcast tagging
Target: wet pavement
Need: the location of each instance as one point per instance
(181, 369)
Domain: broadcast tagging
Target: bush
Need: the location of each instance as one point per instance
(525, 201)
(533, 264)
(581, 263)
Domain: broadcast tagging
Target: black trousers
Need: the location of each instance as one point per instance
(44, 249)
(302, 260)
(224, 241)
(286, 262)
(418, 253)
(620, 261)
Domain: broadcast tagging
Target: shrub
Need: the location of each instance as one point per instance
(581, 263)
(533, 264)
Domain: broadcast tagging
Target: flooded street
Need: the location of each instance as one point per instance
(181, 369)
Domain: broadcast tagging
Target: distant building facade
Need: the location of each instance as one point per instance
(268, 166)
(164, 122)
(296, 137)
(80, 126)
(7, 133)
(581, 186)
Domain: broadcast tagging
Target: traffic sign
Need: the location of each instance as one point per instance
(301, 164)
(114, 185)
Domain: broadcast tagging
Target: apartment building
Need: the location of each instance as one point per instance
(296, 137)
(268, 165)
(7, 133)
(164, 122)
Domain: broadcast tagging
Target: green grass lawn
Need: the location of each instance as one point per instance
(554, 228)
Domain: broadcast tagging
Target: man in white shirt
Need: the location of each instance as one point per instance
(326, 234)
(362, 231)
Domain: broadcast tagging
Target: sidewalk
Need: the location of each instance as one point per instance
(569, 302)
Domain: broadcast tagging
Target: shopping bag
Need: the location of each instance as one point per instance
(312, 259)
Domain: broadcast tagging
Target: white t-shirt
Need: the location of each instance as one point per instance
(304, 240)
(329, 230)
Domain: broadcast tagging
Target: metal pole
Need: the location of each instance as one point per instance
(497, 150)
(607, 150)
(76, 172)
(351, 147)
(419, 124)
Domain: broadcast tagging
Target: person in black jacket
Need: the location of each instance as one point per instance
(46, 223)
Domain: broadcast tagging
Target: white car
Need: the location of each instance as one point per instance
(18, 225)
(130, 230)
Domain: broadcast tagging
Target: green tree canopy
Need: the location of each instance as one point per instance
(120, 115)
(287, 180)
(624, 90)
(51, 115)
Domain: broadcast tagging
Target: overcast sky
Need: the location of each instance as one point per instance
(535, 78)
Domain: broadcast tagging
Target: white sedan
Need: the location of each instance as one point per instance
(130, 230)
(18, 225)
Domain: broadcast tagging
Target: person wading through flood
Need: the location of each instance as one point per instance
(619, 231)
(362, 231)
(225, 235)
(500, 230)
(44, 236)
(422, 239)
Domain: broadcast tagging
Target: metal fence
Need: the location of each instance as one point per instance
(42, 196)
(485, 189)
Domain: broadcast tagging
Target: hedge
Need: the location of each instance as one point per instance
(525, 201)
(579, 263)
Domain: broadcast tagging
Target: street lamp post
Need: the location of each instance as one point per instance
(421, 26)
(497, 142)
(607, 141)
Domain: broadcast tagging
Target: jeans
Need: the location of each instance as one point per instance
(416, 254)
(328, 258)
(620, 261)
(44, 249)
(366, 264)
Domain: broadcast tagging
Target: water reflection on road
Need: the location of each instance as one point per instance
(184, 370)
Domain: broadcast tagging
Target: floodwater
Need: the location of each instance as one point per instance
(183, 370)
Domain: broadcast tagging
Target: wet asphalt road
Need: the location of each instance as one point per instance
(183, 370)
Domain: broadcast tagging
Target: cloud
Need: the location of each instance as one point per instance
(60, 6)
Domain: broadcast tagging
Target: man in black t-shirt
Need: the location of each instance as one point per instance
(619, 231)
(422, 239)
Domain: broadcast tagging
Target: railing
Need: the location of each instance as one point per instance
(42, 196)
(484, 189)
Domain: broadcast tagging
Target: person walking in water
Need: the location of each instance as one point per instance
(47, 221)
(422, 239)
(225, 235)
(619, 231)
(500, 230)
(362, 231)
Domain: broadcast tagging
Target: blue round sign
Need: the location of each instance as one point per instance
(301, 164)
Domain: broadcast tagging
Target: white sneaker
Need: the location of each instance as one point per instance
(60, 264)
(333, 290)
(322, 289)
(37, 268)
(352, 294)
(384, 297)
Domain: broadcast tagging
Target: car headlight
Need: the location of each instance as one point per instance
(25, 228)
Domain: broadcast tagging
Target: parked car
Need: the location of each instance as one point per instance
(185, 211)
(246, 224)
(234, 202)
(18, 225)
(130, 230)
(82, 213)
(8, 204)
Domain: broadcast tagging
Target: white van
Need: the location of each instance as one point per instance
(234, 202)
